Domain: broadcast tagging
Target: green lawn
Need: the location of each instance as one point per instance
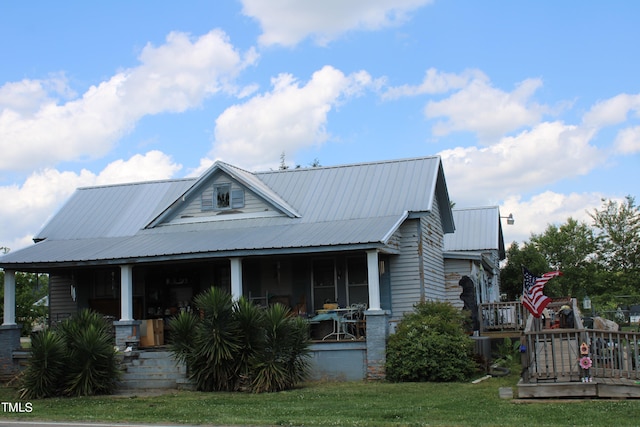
(339, 404)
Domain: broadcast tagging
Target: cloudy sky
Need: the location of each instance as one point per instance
(533, 106)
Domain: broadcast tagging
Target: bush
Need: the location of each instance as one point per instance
(240, 346)
(75, 359)
(430, 344)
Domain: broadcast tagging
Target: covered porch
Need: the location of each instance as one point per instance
(141, 297)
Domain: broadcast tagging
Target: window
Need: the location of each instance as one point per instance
(222, 197)
(357, 280)
(324, 282)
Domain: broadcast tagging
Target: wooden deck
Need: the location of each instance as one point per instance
(599, 388)
(551, 355)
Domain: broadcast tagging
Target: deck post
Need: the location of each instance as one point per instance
(9, 330)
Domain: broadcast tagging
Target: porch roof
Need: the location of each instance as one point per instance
(218, 239)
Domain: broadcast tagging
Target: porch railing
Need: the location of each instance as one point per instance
(554, 355)
(501, 316)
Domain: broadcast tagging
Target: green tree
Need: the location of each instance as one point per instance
(617, 227)
(30, 288)
(511, 274)
(570, 248)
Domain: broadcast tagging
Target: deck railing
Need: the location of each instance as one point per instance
(554, 355)
(501, 316)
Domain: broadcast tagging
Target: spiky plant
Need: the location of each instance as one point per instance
(283, 361)
(92, 363)
(216, 342)
(44, 375)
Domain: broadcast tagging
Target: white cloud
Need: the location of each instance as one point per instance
(489, 112)
(435, 82)
(628, 141)
(535, 214)
(290, 117)
(26, 208)
(612, 111)
(37, 130)
(547, 153)
(287, 22)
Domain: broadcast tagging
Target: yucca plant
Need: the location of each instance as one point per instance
(44, 375)
(75, 359)
(93, 367)
(216, 339)
(283, 361)
(250, 318)
(240, 346)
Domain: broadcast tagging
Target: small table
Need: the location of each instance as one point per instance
(337, 316)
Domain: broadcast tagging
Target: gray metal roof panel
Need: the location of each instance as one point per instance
(187, 240)
(476, 229)
(109, 211)
(340, 205)
(357, 191)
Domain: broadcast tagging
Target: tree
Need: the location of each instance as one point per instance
(511, 273)
(30, 288)
(570, 248)
(618, 243)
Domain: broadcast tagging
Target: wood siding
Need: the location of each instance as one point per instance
(432, 255)
(405, 270)
(454, 270)
(193, 209)
(61, 305)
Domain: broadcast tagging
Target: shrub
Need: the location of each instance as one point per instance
(240, 346)
(75, 359)
(430, 345)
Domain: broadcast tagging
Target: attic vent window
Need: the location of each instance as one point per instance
(221, 193)
(222, 197)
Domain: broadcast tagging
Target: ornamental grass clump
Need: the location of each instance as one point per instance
(237, 346)
(77, 358)
(430, 344)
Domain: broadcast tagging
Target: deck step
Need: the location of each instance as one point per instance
(152, 370)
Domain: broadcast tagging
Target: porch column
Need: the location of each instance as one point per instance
(127, 329)
(9, 297)
(126, 292)
(236, 278)
(9, 330)
(374, 279)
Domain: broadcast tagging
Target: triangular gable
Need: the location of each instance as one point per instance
(245, 179)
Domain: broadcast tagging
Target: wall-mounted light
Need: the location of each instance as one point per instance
(510, 220)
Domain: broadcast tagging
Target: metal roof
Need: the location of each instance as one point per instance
(477, 229)
(322, 208)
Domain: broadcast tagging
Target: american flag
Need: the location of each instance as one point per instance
(532, 296)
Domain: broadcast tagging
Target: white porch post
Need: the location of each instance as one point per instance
(236, 278)
(126, 292)
(374, 280)
(9, 297)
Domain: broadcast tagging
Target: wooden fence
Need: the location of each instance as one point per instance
(555, 354)
(502, 316)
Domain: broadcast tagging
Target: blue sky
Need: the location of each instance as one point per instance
(533, 106)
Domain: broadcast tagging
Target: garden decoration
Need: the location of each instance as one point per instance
(585, 362)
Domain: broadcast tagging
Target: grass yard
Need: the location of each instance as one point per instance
(338, 404)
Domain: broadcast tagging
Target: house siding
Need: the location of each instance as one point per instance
(252, 203)
(454, 270)
(405, 271)
(61, 305)
(432, 255)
